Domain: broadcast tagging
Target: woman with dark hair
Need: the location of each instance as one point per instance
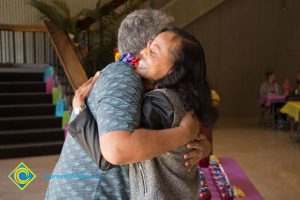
(184, 88)
(174, 64)
(188, 77)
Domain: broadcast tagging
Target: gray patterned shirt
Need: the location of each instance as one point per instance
(115, 102)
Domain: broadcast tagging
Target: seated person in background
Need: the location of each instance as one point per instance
(297, 85)
(295, 92)
(287, 88)
(270, 86)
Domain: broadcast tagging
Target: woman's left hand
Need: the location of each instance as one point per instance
(200, 148)
(84, 90)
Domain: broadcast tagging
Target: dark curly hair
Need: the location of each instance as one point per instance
(188, 77)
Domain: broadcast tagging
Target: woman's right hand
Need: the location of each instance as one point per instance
(84, 90)
(201, 147)
(192, 125)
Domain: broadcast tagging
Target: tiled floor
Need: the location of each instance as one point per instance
(268, 157)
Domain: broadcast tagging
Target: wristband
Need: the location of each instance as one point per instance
(78, 109)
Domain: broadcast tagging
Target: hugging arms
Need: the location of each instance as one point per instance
(155, 116)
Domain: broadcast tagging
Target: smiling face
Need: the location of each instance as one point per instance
(158, 57)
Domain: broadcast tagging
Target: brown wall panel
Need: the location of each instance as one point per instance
(243, 39)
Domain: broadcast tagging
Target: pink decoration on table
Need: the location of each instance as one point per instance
(50, 83)
(267, 100)
(236, 177)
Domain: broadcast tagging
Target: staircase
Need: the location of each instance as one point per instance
(28, 126)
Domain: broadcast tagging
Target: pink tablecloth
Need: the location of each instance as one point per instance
(267, 100)
(236, 177)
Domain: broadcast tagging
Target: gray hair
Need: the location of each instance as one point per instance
(139, 27)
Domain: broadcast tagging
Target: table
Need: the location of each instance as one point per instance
(236, 177)
(292, 109)
(267, 100)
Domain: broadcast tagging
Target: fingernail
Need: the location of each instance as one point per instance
(97, 74)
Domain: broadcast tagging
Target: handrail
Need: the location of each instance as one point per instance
(22, 28)
(67, 55)
(25, 44)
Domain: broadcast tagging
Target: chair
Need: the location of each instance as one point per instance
(266, 117)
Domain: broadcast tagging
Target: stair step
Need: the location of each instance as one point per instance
(19, 67)
(30, 149)
(34, 122)
(21, 76)
(31, 135)
(27, 110)
(13, 87)
(25, 98)
(28, 126)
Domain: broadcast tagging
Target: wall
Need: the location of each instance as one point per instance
(193, 10)
(242, 40)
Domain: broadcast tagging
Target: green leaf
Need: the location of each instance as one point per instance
(62, 8)
(50, 12)
(90, 13)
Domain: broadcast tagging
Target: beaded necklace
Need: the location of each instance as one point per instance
(128, 58)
